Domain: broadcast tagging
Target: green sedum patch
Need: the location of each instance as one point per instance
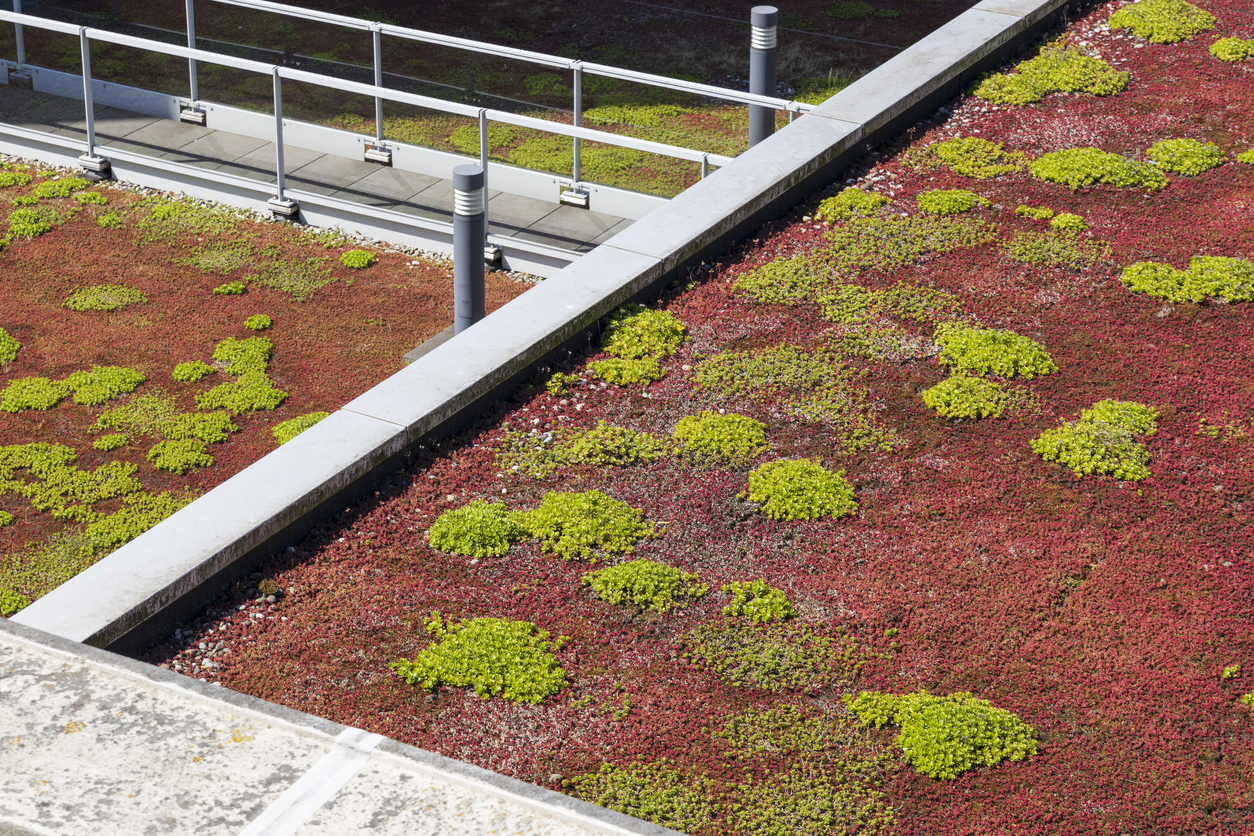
(621, 372)
(943, 737)
(991, 351)
(90, 199)
(244, 356)
(179, 456)
(230, 289)
(605, 445)
(109, 220)
(103, 383)
(783, 281)
(12, 602)
(140, 511)
(1036, 213)
(1102, 441)
(111, 441)
(191, 371)
(964, 396)
(285, 431)
(1079, 167)
(646, 584)
(32, 393)
(30, 223)
(1055, 70)
(1208, 276)
(8, 347)
(58, 188)
(1067, 222)
(887, 243)
(510, 659)
(1163, 21)
(758, 601)
(252, 392)
(972, 156)
(257, 322)
(642, 116)
(561, 383)
(1185, 156)
(141, 415)
(571, 525)
(949, 201)
(13, 178)
(772, 656)
(104, 297)
(299, 278)
(358, 259)
(477, 529)
(800, 489)
(849, 204)
(809, 800)
(56, 486)
(634, 332)
(653, 791)
(1063, 248)
(1232, 49)
(711, 438)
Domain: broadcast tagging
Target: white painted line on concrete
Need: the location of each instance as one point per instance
(317, 786)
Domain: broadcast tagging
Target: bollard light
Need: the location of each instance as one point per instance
(469, 205)
(763, 21)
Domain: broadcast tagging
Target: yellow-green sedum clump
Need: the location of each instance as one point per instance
(8, 347)
(606, 445)
(972, 156)
(800, 489)
(32, 393)
(11, 602)
(783, 281)
(991, 351)
(111, 441)
(1079, 167)
(103, 383)
(1061, 248)
(943, 737)
(1163, 21)
(358, 259)
(191, 371)
(712, 439)
(1246, 157)
(653, 791)
(887, 243)
(638, 338)
(758, 601)
(646, 584)
(477, 529)
(849, 204)
(287, 430)
(510, 659)
(1067, 222)
(253, 390)
(571, 525)
(258, 322)
(104, 297)
(1055, 70)
(773, 655)
(1036, 213)
(1208, 276)
(1232, 49)
(1102, 441)
(950, 201)
(58, 188)
(1185, 156)
(964, 396)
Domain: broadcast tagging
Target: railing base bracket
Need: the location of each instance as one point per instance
(94, 163)
(283, 207)
(574, 197)
(378, 154)
(192, 116)
(492, 257)
(22, 80)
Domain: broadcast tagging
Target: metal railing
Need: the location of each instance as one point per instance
(379, 93)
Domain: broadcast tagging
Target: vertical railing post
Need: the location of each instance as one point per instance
(577, 172)
(470, 199)
(85, 50)
(19, 37)
(378, 82)
(483, 163)
(705, 166)
(193, 85)
(763, 20)
(280, 204)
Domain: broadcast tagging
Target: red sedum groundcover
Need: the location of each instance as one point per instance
(1113, 616)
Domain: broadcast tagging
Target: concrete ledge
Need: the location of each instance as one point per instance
(154, 749)
(127, 599)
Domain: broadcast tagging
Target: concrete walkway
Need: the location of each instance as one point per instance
(367, 184)
(95, 743)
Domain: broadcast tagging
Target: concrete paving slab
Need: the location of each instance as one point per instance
(259, 164)
(328, 174)
(434, 202)
(160, 137)
(509, 214)
(113, 123)
(573, 227)
(612, 231)
(212, 150)
(386, 186)
(101, 744)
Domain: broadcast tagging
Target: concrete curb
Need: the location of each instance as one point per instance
(138, 592)
(590, 818)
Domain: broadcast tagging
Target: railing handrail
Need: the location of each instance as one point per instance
(371, 90)
(522, 55)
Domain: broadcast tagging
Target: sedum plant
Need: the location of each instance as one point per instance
(1163, 21)
(800, 489)
(285, 431)
(711, 438)
(104, 297)
(991, 351)
(510, 659)
(191, 371)
(849, 204)
(1232, 49)
(257, 322)
(8, 347)
(606, 445)
(1230, 279)
(1055, 70)
(1102, 441)
(32, 393)
(758, 601)
(950, 201)
(357, 259)
(103, 383)
(1067, 222)
(645, 584)
(963, 396)
(230, 289)
(622, 372)
(635, 332)
(1036, 213)
(972, 156)
(111, 441)
(655, 791)
(943, 737)
(571, 525)
(1079, 167)
(477, 529)
(1185, 156)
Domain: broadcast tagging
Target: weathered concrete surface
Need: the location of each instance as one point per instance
(94, 743)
